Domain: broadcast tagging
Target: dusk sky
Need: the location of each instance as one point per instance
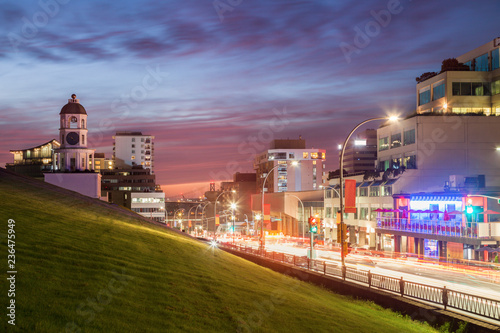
(214, 81)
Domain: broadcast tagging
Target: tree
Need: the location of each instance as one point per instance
(336, 174)
(371, 174)
(452, 64)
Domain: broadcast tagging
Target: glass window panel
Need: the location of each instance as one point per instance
(481, 63)
(396, 140)
(383, 143)
(456, 88)
(409, 137)
(495, 59)
(438, 92)
(469, 64)
(477, 89)
(424, 97)
(465, 89)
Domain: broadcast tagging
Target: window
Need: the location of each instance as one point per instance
(468, 64)
(133, 146)
(363, 191)
(410, 161)
(328, 194)
(481, 63)
(495, 87)
(384, 165)
(328, 212)
(132, 157)
(495, 59)
(396, 140)
(438, 91)
(142, 139)
(471, 89)
(409, 137)
(363, 213)
(424, 96)
(387, 191)
(133, 151)
(383, 143)
(291, 156)
(83, 123)
(133, 139)
(83, 139)
(374, 191)
(305, 155)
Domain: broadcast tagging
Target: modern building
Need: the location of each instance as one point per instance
(280, 157)
(34, 161)
(119, 184)
(472, 85)
(73, 162)
(151, 205)
(361, 153)
(132, 149)
(244, 185)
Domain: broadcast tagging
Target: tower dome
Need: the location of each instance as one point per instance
(73, 107)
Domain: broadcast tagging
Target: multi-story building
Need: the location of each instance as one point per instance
(361, 153)
(429, 163)
(473, 87)
(34, 161)
(306, 175)
(103, 163)
(243, 185)
(149, 204)
(133, 148)
(119, 184)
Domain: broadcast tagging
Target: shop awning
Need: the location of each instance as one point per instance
(436, 198)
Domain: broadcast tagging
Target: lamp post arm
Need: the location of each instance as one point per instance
(262, 208)
(341, 181)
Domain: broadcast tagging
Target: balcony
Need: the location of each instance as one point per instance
(473, 230)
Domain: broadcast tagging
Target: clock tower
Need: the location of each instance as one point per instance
(73, 155)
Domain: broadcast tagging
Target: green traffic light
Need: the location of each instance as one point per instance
(469, 210)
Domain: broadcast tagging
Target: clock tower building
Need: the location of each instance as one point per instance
(73, 155)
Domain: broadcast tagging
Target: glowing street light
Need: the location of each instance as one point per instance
(262, 238)
(341, 180)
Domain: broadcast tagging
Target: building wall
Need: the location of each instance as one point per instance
(133, 148)
(88, 184)
(149, 205)
(444, 146)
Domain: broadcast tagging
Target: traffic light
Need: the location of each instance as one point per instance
(313, 224)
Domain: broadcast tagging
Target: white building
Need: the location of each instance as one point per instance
(149, 204)
(305, 176)
(133, 148)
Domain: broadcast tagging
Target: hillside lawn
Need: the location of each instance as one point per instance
(88, 266)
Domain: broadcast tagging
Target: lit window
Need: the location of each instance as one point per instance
(305, 155)
(314, 155)
(383, 143)
(132, 157)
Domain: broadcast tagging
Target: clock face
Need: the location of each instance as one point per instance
(72, 138)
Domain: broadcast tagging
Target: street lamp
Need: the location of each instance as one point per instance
(341, 181)
(303, 214)
(180, 209)
(262, 239)
(215, 206)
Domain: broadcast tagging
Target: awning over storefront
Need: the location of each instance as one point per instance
(432, 197)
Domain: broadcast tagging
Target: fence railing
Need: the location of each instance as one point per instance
(478, 305)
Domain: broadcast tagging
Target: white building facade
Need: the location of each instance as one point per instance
(151, 205)
(133, 148)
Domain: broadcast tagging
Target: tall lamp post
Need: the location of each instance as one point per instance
(233, 207)
(303, 214)
(341, 181)
(262, 241)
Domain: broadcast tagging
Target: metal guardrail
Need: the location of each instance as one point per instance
(481, 306)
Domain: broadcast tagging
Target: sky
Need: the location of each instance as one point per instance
(215, 81)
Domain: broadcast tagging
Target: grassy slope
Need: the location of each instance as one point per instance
(67, 249)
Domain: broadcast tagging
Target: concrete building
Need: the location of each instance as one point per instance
(149, 204)
(306, 176)
(119, 184)
(244, 185)
(34, 161)
(473, 88)
(133, 148)
(361, 153)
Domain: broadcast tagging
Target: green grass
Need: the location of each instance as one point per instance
(83, 267)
